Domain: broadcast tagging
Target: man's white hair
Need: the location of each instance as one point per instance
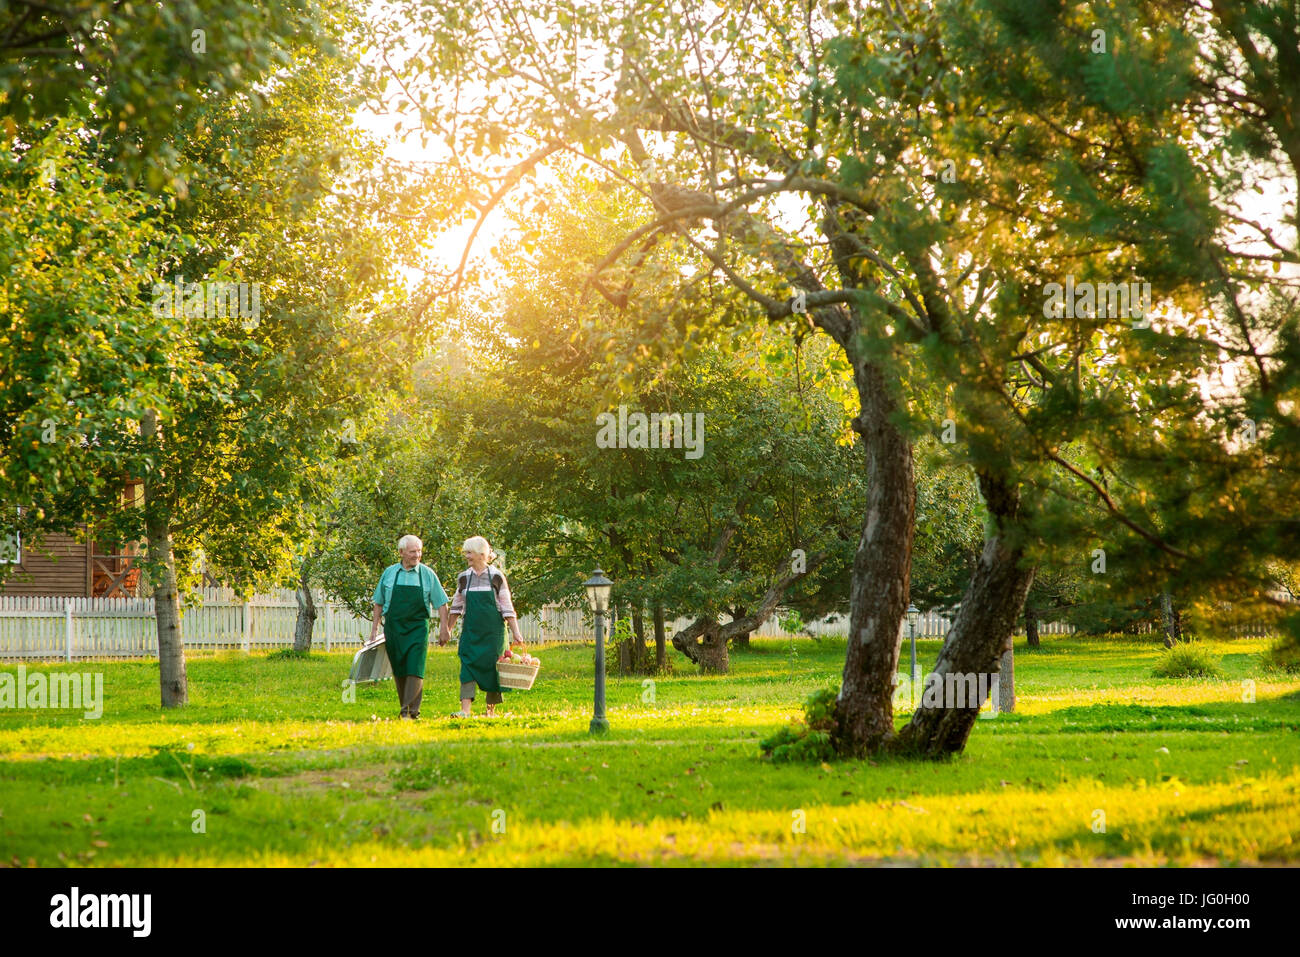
(406, 541)
(478, 545)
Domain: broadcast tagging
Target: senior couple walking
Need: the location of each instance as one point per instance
(408, 591)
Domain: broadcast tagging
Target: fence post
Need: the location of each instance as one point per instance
(67, 630)
(329, 622)
(248, 625)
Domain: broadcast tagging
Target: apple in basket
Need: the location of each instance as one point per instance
(519, 658)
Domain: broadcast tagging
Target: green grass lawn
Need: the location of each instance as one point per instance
(270, 765)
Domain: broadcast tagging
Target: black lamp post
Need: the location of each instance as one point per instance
(598, 589)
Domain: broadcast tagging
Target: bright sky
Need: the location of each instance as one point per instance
(1272, 206)
(446, 248)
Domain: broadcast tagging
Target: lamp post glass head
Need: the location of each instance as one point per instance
(913, 613)
(598, 588)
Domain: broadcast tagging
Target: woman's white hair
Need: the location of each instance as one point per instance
(478, 545)
(408, 540)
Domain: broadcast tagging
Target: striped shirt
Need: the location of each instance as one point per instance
(470, 580)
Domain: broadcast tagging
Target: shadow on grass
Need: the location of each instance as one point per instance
(1265, 714)
(172, 764)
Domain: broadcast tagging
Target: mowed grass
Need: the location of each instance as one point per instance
(269, 764)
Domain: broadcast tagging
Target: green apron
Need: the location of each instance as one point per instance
(482, 640)
(406, 631)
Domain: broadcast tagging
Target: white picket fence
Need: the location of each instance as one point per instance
(72, 628)
(928, 625)
(78, 628)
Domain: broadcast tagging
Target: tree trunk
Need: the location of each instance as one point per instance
(704, 641)
(1031, 625)
(1007, 679)
(306, 623)
(713, 657)
(1170, 619)
(882, 568)
(637, 655)
(741, 640)
(661, 638)
(979, 637)
(172, 682)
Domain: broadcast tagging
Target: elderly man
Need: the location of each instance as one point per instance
(406, 592)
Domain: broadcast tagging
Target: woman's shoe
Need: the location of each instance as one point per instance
(459, 714)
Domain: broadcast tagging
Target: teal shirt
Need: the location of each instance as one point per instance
(421, 574)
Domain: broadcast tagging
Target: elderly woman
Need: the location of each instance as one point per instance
(402, 599)
(483, 597)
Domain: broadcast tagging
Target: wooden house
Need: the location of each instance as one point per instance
(74, 566)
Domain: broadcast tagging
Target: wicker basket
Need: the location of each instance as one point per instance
(519, 677)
